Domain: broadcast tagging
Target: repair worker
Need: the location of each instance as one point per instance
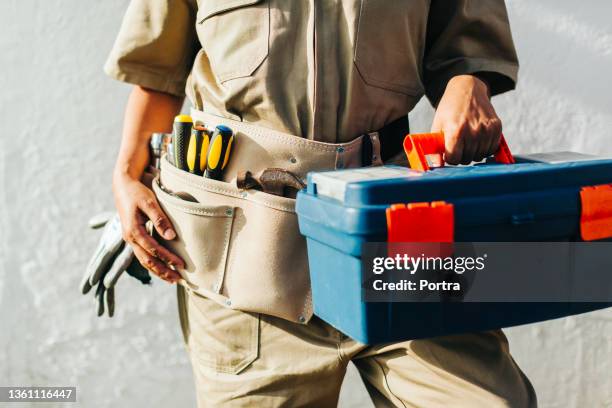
(322, 71)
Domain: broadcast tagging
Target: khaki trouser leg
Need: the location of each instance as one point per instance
(250, 360)
(469, 370)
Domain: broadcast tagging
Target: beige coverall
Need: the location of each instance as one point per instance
(325, 70)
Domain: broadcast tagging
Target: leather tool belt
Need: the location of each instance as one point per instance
(243, 248)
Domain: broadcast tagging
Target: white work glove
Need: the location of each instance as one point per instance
(112, 257)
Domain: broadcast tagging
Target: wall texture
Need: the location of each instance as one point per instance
(59, 125)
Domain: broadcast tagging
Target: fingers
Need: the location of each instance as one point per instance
(162, 225)
(494, 130)
(470, 124)
(453, 141)
(138, 236)
(467, 143)
(454, 144)
(151, 255)
(137, 205)
(155, 265)
(470, 144)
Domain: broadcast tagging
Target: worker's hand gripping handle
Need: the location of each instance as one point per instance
(419, 146)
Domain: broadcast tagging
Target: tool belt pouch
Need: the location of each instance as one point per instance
(243, 248)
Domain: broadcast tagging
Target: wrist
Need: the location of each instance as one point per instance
(483, 78)
(470, 81)
(124, 174)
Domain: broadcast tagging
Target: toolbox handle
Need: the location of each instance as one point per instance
(419, 146)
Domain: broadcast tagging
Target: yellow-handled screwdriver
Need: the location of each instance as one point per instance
(219, 152)
(196, 151)
(181, 131)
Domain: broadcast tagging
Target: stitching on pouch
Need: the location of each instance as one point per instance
(226, 241)
(175, 202)
(299, 142)
(196, 211)
(285, 138)
(230, 193)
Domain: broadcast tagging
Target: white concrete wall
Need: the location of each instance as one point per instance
(59, 127)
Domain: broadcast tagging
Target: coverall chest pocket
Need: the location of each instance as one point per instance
(390, 44)
(234, 35)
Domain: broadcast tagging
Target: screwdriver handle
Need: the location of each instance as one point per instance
(197, 150)
(181, 132)
(219, 152)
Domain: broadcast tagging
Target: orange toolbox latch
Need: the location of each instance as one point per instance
(596, 214)
(421, 228)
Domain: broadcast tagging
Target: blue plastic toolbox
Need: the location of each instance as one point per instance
(536, 199)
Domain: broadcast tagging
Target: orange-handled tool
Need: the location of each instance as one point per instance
(419, 146)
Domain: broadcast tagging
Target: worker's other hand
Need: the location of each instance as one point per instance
(136, 204)
(471, 127)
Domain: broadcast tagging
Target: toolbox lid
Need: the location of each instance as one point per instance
(532, 195)
(395, 184)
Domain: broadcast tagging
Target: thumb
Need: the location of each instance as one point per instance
(453, 144)
(437, 126)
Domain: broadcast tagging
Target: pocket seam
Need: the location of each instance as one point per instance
(185, 207)
(389, 86)
(210, 11)
(226, 244)
(205, 213)
(204, 358)
(250, 61)
(367, 78)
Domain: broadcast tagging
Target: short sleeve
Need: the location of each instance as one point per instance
(469, 37)
(156, 45)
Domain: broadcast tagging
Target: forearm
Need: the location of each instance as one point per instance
(147, 112)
